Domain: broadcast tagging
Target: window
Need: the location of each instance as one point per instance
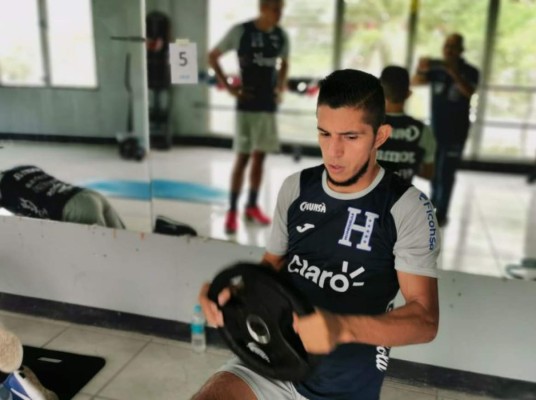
(375, 34)
(509, 130)
(21, 57)
(47, 42)
(438, 18)
(70, 40)
(310, 25)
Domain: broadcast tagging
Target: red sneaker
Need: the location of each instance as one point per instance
(254, 214)
(231, 222)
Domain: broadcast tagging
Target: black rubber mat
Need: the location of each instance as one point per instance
(64, 373)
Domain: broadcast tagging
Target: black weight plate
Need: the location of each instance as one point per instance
(258, 320)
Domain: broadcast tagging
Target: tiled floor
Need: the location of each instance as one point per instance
(141, 367)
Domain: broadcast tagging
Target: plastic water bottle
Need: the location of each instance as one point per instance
(199, 341)
(5, 393)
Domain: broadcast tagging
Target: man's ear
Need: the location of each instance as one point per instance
(384, 131)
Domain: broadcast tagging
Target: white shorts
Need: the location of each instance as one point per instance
(264, 388)
(256, 131)
(91, 208)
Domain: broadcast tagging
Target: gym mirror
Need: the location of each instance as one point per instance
(73, 98)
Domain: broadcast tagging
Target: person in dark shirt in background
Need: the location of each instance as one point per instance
(29, 191)
(453, 82)
(410, 150)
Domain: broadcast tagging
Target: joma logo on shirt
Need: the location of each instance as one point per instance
(338, 282)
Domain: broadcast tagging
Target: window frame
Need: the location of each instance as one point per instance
(45, 56)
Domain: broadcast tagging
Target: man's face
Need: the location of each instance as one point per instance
(347, 143)
(272, 11)
(452, 48)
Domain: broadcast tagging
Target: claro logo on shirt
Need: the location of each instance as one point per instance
(340, 282)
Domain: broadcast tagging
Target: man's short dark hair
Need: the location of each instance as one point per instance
(395, 82)
(263, 2)
(357, 89)
(459, 38)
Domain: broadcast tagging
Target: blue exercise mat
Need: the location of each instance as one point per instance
(159, 189)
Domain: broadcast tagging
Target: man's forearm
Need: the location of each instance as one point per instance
(464, 87)
(419, 78)
(220, 75)
(282, 76)
(409, 324)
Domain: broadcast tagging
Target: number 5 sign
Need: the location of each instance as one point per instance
(183, 61)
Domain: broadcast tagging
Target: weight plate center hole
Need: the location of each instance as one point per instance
(258, 329)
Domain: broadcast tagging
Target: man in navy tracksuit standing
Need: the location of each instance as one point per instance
(453, 81)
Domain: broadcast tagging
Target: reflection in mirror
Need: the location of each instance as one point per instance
(191, 185)
(526, 267)
(74, 105)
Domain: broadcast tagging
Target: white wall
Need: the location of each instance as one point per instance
(146, 274)
(487, 324)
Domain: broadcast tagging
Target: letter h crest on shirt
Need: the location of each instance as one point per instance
(365, 230)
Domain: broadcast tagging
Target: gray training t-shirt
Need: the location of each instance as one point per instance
(342, 253)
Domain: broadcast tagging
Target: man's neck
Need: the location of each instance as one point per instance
(454, 60)
(262, 25)
(394, 108)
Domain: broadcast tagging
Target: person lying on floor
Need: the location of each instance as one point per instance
(29, 191)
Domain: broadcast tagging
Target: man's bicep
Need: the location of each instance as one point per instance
(278, 240)
(420, 289)
(418, 239)
(231, 39)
